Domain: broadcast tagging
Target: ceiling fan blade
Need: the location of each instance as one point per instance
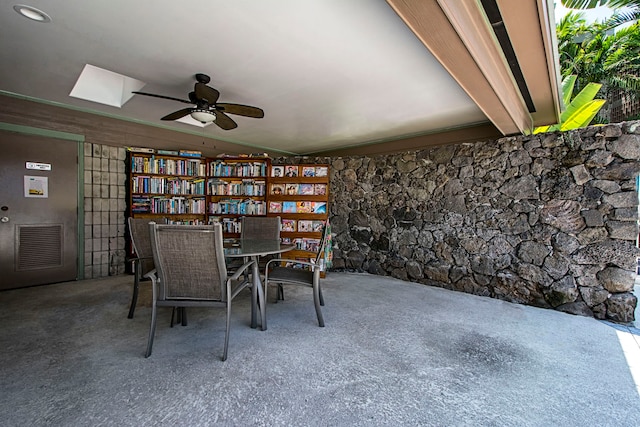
(241, 110)
(225, 122)
(204, 92)
(177, 114)
(163, 97)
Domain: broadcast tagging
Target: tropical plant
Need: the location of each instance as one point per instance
(597, 54)
(580, 110)
(632, 14)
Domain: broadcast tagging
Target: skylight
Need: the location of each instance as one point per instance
(105, 87)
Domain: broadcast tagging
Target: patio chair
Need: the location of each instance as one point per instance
(191, 272)
(282, 271)
(256, 227)
(260, 227)
(143, 259)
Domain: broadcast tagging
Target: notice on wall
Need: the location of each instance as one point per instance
(36, 186)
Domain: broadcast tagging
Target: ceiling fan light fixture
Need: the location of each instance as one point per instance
(32, 13)
(203, 116)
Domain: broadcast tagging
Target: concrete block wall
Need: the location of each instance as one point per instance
(104, 210)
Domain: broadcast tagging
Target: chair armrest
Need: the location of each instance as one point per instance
(239, 272)
(151, 275)
(313, 265)
(137, 258)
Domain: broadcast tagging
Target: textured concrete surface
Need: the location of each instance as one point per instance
(393, 353)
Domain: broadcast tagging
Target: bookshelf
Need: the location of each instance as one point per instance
(236, 187)
(167, 187)
(299, 194)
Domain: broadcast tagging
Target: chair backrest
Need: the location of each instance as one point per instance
(141, 241)
(260, 227)
(189, 260)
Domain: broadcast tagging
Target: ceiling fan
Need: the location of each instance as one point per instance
(207, 109)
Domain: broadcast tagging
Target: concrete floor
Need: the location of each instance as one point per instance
(392, 353)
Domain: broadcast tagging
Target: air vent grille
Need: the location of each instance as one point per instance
(39, 246)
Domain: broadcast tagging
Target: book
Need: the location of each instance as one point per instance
(289, 225)
(304, 207)
(275, 207)
(289, 207)
(306, 189)
(277, 171)
(190, 153)
(319, 207)
(321, 171)
(141, 150)
(308, 171)
(317, 226)
(168, 152)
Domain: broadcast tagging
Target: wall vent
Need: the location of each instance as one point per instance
(39, 246)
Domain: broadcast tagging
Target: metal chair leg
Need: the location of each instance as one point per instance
(152, 330)
(136, 287)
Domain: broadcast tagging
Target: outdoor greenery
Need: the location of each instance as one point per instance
(580, 110)
(599, 52)
(632, 14)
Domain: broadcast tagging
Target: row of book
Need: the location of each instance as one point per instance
(166, 205)
(238, 207)
(184, 221)
(246, 187)
(301, 226)
(293, 189)
(229, 225)
(240, 169)
(298, 207)
(146, 184)
(162, 166)
(184, 153)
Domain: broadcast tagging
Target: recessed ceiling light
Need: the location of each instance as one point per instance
(32, 13)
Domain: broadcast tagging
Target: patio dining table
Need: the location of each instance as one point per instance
(254, 249)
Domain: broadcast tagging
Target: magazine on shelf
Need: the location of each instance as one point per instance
(289, 225)
(304, 207)
(289, 207)
(291, 189)
(321, 171)
(308, 171)
(290, 171)
(277, 189)
(319, 207)
(277, 171)
(306, 189)
(275, 207)
(305, 226)
(320, 189)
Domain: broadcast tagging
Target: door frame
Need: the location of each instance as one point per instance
(79, 139)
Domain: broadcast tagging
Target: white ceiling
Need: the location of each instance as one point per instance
(329, 74)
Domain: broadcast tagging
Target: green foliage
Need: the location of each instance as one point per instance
(580, 110)
(619, 17)
(597, 54)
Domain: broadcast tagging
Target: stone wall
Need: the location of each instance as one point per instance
(104, 210)
(546, 220)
